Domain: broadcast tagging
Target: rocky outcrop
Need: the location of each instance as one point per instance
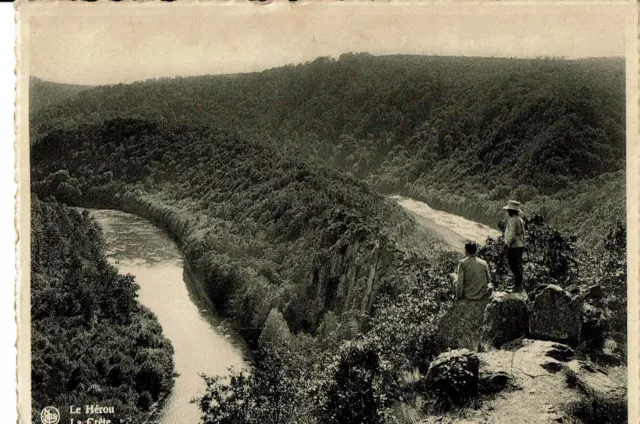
(461, 326)
(594, 382)
(505, 318)
(554, 314)
(348, 279)
(540, 357)
(453, 375)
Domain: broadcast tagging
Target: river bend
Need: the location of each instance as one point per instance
(137, 247)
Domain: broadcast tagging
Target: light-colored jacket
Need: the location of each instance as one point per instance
(473, 279)
(514, 232)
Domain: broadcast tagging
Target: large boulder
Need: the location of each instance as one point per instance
(453, 375)
(593, 381)
(461, 326)
(604, 392)
(554, 314)
(505, 318)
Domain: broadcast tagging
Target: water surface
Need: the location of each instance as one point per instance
(454, 229)
(137, 247)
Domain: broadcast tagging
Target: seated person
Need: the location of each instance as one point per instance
(472, 281)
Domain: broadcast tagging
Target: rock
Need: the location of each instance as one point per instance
(494, 382)
(595, 382)
(555, 315)
(560, 352)
(461, 326)
(610, 353)
(611, 359)
(453, 376)
(505, 318)
(552, 366)
(538, 357)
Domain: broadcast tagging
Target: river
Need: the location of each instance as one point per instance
(453, 229)
(137, 247)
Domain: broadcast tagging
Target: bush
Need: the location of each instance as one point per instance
(145, 400)
(268, 395)
(353, 392)
(550, 257)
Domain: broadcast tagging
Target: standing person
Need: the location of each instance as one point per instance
(514, 243)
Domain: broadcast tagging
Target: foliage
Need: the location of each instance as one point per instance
(456, 383)
(355, 392)
(250, 175)
(255, 224)
(611, 272)
(44, 93)
(597, 407)
(266, 394)
(462, 134)
(91, 340)
(405, 324)
(550, 257)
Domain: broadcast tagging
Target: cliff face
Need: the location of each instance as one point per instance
(350, 278)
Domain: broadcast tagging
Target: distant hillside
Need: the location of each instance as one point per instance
(45, 93)
(464, 134)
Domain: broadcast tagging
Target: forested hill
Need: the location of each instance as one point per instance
(464, 134)
(45, 93)
(262, 230)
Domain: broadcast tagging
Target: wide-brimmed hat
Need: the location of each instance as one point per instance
(513, 205)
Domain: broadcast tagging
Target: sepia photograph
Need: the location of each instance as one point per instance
(343, 212)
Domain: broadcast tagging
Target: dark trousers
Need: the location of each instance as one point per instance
(514, 259)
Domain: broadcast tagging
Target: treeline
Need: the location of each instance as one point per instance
(466, 133)
(92, 342)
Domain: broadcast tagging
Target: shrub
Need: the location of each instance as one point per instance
(550, 257)
(353, 391)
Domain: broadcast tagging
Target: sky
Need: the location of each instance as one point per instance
(92, 43)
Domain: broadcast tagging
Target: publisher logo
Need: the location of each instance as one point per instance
(50, 415)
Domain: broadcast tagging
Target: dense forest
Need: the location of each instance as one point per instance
(463, 134)
(247, 218)
(271, 185)
(92, 342)
(44, 93)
